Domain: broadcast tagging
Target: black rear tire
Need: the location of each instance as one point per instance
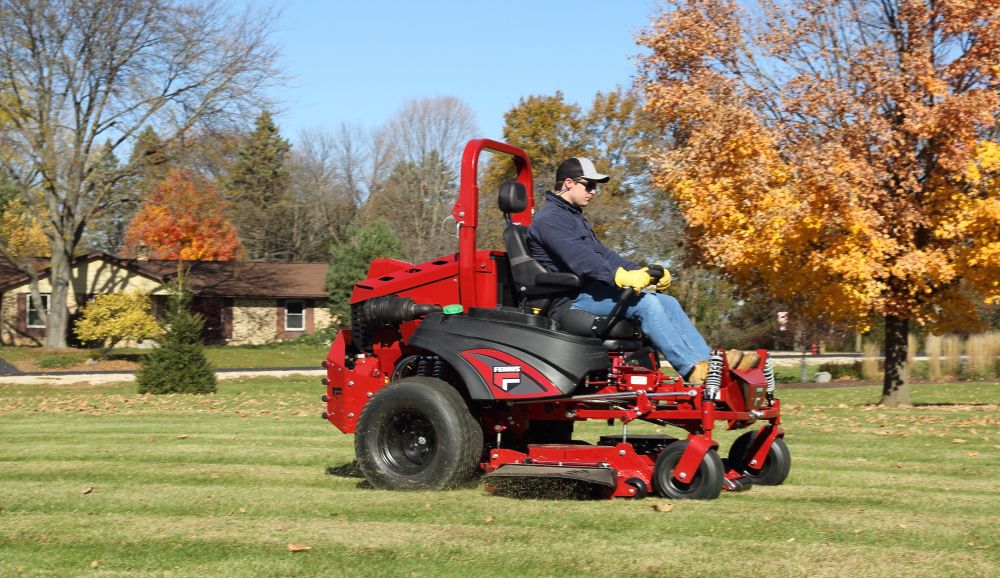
(775, 468)
(707, 481)
(417, 434)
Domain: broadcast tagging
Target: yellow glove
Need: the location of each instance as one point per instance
(663, 282)
(636, 279)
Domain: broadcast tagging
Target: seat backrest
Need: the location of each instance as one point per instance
(513, 198)
(523, 268)
(533, 284)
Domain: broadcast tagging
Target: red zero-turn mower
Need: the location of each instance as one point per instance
(449, 369)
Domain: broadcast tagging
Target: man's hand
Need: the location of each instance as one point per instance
(662, 276)
(664, 281)
(637, 279)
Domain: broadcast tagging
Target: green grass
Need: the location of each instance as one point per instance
(219, 485)
(222, 357)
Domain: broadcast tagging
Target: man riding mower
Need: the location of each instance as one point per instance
(451, 368)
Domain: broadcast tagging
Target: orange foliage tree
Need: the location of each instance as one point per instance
(184, 218)
(841, 155)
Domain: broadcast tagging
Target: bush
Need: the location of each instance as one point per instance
(115, 317)
(842, 370)
(180, 365)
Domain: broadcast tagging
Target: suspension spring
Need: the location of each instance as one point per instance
(422, 369)
(713, 383)
(769, 376)
(438, 370)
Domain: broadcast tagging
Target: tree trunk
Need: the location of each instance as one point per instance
(58, 317)
(894, 388)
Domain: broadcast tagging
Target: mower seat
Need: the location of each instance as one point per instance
(533, 284)
(580, 322)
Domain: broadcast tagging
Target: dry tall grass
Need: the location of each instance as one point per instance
(951, 345)
(871, 354)
(982, 350)
(932, 346)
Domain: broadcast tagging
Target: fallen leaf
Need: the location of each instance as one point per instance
(958, 441)
(488, 519)
(791, 540)
(973, 454)
(95, 563)
(243, 510)
(662, 507)
(857, 530)
(281, 527)
(88, 490)
(298, 548)
(183, 437)
(898, 466)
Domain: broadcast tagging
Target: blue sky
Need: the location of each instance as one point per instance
(358, 62)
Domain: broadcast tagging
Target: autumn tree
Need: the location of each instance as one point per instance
(81, 73)
(258, 190)
(111, 318)
(183, 218)
(840, 155)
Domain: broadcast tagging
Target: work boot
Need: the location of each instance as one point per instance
(734, 356)
(698, 373)
(748, 360)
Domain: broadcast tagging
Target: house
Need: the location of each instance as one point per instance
(243, 303)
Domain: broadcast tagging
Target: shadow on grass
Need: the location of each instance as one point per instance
(952, 404)
(133, 357)
(349, 470)
(346, 470)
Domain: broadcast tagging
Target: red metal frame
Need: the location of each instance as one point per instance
(466, 212)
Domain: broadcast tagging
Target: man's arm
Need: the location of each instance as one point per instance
(572, 246)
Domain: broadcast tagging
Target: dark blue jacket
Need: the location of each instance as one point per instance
(561, 239)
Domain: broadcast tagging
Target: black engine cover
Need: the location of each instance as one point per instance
(505, 355)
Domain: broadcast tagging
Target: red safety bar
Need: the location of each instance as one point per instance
(466, 210)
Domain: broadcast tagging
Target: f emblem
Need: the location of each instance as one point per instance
(507, 377)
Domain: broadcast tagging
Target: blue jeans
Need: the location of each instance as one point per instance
(660, 317)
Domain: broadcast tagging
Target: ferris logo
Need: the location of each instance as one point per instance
(506, 377)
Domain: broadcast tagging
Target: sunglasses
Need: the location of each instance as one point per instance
(589, 186)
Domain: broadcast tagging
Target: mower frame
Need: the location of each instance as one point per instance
(525, 381)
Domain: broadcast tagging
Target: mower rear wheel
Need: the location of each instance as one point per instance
(775, 468)
(707, 481)
(417, 434)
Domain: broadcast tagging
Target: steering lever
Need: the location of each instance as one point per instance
(602, 328)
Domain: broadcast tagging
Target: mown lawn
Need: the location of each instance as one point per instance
(96, 480)
(275, 355)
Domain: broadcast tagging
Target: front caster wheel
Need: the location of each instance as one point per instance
(707, 481)
(417, 434)
(639, 488)
(775, 468)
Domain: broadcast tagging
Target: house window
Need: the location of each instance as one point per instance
(34, 316)
(295, 315)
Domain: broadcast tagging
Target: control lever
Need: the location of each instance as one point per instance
(602, 327)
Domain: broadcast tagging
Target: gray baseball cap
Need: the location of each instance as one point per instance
(579, 167)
